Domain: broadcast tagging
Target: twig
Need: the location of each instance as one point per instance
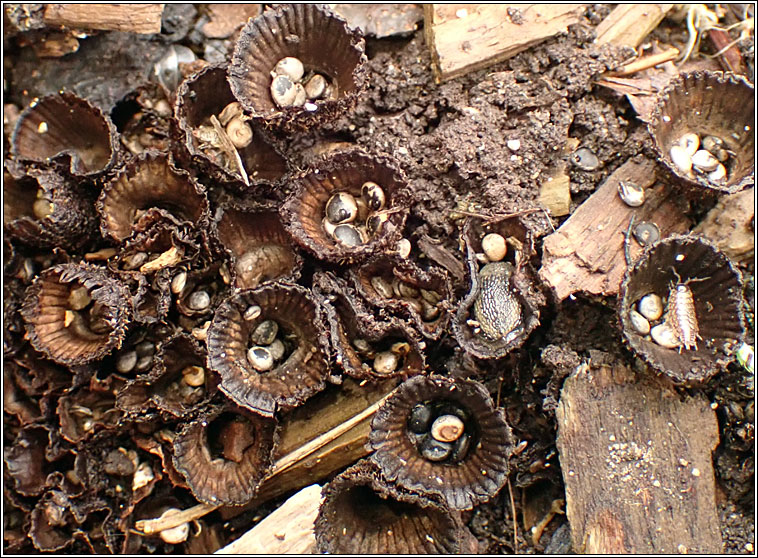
(317, 443)
(645, 62)
(513, 517)
(153, 526)
(229, 149)
(495, 217)
(627, 254)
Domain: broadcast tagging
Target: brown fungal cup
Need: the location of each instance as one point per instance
(708, 104)
(178, 384)
(63, 126)
(464, 473)
(300, 371)
(716, 288)
(258, 246)
(304, 211)
(502, 306)
(224, 454)
(76, 313)
(205, 94)
(366, 347)
(364, 514)
(400, 286)
(147, 190)
(324, 44)
(42, 208)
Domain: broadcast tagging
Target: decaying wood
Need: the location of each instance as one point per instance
(586, 254)
(467, 37)
(436, 251)
(729, 225)
(225, 19)
(137, 18)
(629, 24)
(287, 530)
(636, 462)
(555, 192)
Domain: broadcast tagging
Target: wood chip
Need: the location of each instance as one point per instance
(286, 530)
(228, 148)
(631, 448)
(136, 18)
(468, 37)
(381, 20)
(555, 192)
(586, 254)
(170, 257)
(629, 24)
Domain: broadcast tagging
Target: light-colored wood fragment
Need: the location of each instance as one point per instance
(555, 193)
(636, 459)
(152, 526)
(287, 530)
(629, 24)
(586, 254)
(467, 37)
(646, 62)
(137, 18)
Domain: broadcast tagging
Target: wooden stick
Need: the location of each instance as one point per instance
(629, 24)
(137, 18)
(153, 526)
(287, 530)
(314, 445)
(646, 62)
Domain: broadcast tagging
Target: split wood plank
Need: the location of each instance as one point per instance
(286, 530)
(636, 460)
(467, 37)
(137, 18)
(629, 24)
(586, 254)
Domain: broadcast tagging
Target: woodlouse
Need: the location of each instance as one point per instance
(680, 313)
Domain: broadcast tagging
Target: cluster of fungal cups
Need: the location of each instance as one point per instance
(222, 341)
(352, 221)
(291, 86)
(708, 157)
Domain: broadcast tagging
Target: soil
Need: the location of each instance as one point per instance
(451, 141)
